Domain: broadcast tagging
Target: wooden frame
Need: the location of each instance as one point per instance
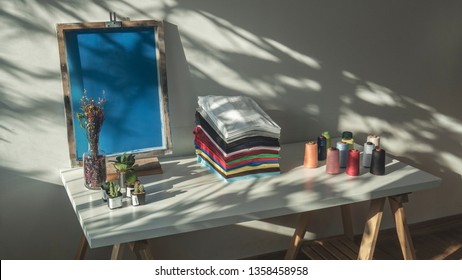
(127, 62)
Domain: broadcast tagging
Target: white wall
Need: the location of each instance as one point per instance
(386, 67)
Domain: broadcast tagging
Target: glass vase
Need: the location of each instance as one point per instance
(94, 169)
(122, 183)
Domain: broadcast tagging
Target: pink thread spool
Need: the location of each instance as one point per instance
(333, 161)
(352, 167)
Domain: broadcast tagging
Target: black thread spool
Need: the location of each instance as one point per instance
(322, 147)
(378, 161)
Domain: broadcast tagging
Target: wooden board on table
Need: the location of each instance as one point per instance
(143, 167)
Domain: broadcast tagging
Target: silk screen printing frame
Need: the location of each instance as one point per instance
(126, 66)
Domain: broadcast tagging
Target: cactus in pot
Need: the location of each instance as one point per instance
(114, 196)
(138, 194)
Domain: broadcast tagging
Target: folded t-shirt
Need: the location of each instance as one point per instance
(236, 117)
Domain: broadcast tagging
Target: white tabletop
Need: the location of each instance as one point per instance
(188, 197)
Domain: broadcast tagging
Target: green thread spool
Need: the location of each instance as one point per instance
(327, 136)
(347, 134)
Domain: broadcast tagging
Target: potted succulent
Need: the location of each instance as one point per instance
(130, 181)
(105, 190)
(124, 165)
(138, 194)
(114, 196)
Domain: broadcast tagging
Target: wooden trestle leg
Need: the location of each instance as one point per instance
(298, 236)
(82, 249)
(139, 248)
(404, 236)
(371, 231)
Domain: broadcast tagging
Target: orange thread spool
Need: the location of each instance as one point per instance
(311, 155)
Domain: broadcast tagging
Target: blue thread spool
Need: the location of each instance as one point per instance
(322, 149)
(343, 153)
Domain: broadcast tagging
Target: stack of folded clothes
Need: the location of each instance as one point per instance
(236, 138)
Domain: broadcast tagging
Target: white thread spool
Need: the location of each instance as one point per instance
(367, 154)
(374, 139)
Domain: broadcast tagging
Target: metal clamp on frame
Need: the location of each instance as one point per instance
(113, 20)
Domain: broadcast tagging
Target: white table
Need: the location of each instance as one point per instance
(188, 197)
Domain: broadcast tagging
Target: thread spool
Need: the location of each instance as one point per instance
(328, 139)
(311, 155)
(352, 168)
(343, 153)
(350, 141)
(322, 149)
(378, 161)
(333, 161)
(347, 134)
(374, 139)
(367, 154)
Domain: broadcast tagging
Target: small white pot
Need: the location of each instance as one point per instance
(114, 202)
(129, 190)
(104, 195)
(138, 199)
